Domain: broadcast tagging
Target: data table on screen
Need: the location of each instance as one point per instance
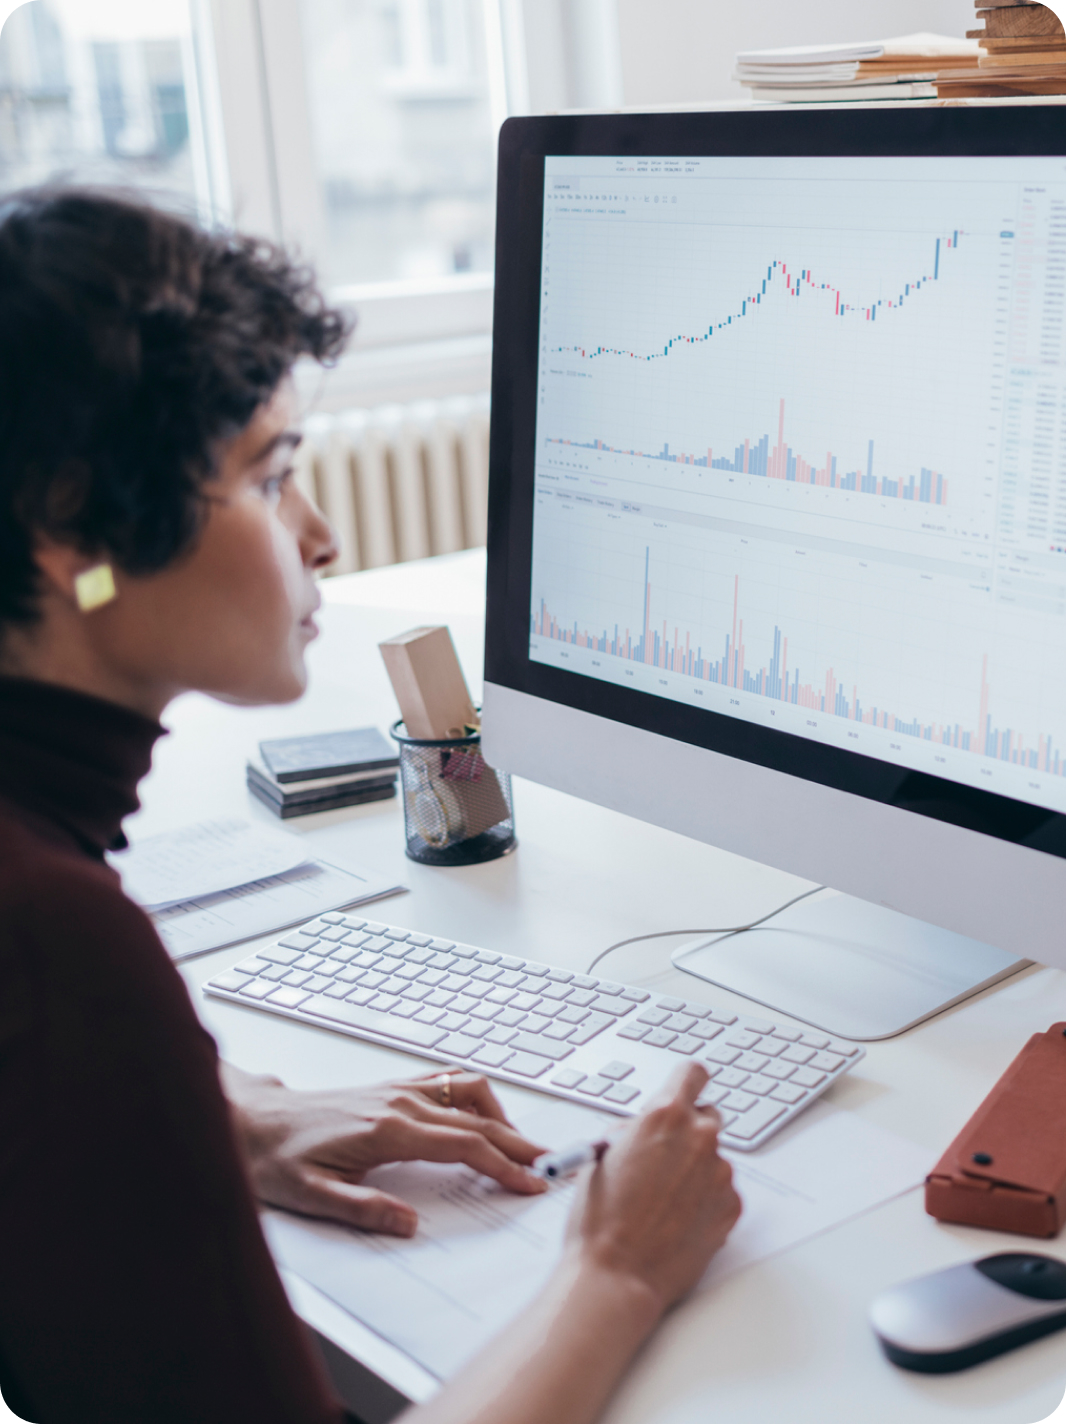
(801, 450)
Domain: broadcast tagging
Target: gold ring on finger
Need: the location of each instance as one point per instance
(444, 1085)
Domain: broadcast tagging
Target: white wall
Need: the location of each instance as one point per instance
(681, 50)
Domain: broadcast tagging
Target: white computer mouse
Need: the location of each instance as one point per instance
(956, 1318)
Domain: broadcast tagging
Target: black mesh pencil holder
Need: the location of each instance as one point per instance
(456, 810)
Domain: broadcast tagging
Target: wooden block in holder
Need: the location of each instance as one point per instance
(429, 684)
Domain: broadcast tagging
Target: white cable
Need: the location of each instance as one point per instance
(723, 929)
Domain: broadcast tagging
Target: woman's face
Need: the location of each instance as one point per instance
(233, 617)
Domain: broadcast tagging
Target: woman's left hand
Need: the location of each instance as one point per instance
(309, 1152)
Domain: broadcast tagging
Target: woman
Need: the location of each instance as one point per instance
(152, 541)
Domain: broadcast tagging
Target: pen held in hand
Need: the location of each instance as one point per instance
(554, 1165)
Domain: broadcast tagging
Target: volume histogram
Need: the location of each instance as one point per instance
(776, 681)
(784, 463)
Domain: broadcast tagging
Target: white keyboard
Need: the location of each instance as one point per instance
(586, 1039)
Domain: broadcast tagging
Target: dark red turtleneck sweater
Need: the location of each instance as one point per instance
(134, 1281)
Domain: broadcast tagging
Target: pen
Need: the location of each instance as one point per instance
(560, 1164)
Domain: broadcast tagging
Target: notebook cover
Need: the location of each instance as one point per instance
(317, 785)
(1006, 1170)
(327, 754)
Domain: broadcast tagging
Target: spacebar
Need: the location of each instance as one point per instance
(406, 1030)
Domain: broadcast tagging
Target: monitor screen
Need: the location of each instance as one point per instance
(799, 457)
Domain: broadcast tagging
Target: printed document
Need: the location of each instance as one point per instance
(481, 1254)
(204, 859)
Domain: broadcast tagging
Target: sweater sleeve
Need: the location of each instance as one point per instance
(136, 1284)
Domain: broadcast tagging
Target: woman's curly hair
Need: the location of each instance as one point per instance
(132, 343)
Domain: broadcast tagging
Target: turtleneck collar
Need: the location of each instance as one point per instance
(73, 760)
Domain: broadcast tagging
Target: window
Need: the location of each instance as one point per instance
(403, 136)
(102, 92)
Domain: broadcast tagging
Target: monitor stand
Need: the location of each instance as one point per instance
(850, 968)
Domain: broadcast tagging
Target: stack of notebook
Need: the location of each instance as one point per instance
(1023, 51)
(297, 775)
(905, 68)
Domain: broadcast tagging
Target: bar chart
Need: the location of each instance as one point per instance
(781, 462)
(677, 651)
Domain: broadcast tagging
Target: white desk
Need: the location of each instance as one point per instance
(785, 1339)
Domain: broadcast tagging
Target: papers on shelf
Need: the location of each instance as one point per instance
(204, 859)
(273, 903)
(481, 1255)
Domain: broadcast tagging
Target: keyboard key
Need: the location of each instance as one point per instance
(410, 971)
(757, 1083)
(846, 1050)
(558, 1031)
(739, 1101)
(334, 934)
(338, 991)
(276, 955)
(559, 992)
(385, 1003)
(486, 956)
(568, 1078)
(790, 1035)
(685, 1043)
(372, 927)
(585, 981)
(797, 1054)
(780, 1071)
(510, 962)
(671, 1005)
(711, 1096)
(680, 1023)
(333, 918)
(419, 956)
(258, 988)
(288, 998)
(530, 1065)
(706, 1031)
(499, 1035)
(535, 971)
(275, 972)
(396, 934)
(484, 1011)
(616, 1070)
(499, 996)
(439, 999)
(621, 1093)
(724, 1055)
(253, 966)
(770, 1046)
(535, 1023)
(486, 973)
(463, 1003)
(510, 1017)
(660, 1038)
(476, 1028)
(445, 944)
(430, 1016)
(742, 1039)
(749, 1124)
(510, 979)
(420, 941)
(697, 1011)
(752, 1062)
(814, 1040)
(452, 1021)
(758, 1026)
(635, 1031)
(531, 1043)
(355, 996)
(786, 1093)
(571, 1015)
(317, 983)
(636, 996)
(492, 1055)
(405, 1009)
(722, 1016)
(560, 976)
(731, 1078)
(595, 1086)
(807, 1078)
(308, 961)
(232, 982)
(827, 1062)
(581, 998)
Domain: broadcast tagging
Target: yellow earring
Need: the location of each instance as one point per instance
(95, 587)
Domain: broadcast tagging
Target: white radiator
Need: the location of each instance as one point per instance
(400, 482)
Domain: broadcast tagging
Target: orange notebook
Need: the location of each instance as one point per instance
(1007, 1168)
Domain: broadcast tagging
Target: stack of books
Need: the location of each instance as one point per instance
(1023, 51)
(297, 775)
(909, 67)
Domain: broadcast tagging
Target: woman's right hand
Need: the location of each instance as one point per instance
(661, 1201)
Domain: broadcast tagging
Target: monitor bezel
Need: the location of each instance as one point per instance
(1030, 130)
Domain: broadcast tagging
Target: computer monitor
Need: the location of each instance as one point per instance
(777, 526)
